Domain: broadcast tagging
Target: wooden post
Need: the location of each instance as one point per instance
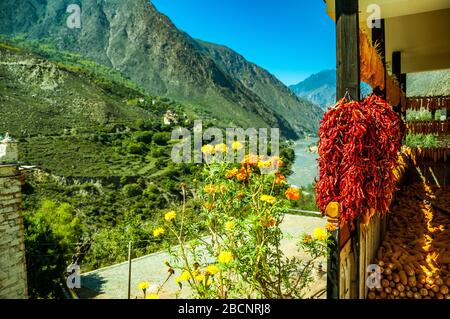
(404, 88)
(129, 270)
(378, 36)
(347, 49)
(348, 80)
(397, 72)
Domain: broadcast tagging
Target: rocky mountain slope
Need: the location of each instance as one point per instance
(145, 46)
(265, 85)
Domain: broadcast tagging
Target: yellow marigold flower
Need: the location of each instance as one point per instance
(320, 234)
(225, 257)
(330, 227)
(152, 296)
(268, 199)
(212, 270)
(264, 164)
(185, 276)
(200, 278)
(170, 216)
(236, 146)
(143, 285)
(178, 279)
(208, 149)
(221, 148)
(158, 232)
(231, 173)
(229, 225)
(209, 189)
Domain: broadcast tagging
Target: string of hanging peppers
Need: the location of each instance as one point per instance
(359, 143)
(431, 103)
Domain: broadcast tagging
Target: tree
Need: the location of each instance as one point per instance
(51, 236)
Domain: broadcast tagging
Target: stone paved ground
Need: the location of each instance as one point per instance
(111, 282)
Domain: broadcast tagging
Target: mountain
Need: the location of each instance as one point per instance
(265, 85)
(319, 88)
(135, 39)
(39, 97)
(73, 123)
(428, 83)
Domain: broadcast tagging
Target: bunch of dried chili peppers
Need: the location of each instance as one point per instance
(358, 150)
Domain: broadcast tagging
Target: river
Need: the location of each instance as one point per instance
(305, 165)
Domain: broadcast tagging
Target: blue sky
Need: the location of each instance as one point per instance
(290, 38)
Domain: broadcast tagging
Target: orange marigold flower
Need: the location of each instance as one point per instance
(209, 189)
(269, 222)
(292, 193)
(208, 205)
(251, 159)
(231, 173)
(276, 161)
(330, 227)
(243, 174)
(307, 239)
(240, 195)
(280, 179)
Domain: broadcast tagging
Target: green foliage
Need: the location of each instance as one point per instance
(132, 190)
(421, 140)
(421, 115)
(51, 232)
(242, 257)
(307, 200)
(161, 138)
(136, 148)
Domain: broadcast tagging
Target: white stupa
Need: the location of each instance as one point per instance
(9, 153)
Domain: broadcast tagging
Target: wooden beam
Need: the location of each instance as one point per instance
(347, 49)
(379, 38)
(397, 64)
(397, 72)
(348, 82)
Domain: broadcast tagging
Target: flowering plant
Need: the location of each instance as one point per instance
(241, 255)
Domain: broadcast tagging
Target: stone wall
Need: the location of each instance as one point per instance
(13, 280)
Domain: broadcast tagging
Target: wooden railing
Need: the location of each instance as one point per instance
(429, 127)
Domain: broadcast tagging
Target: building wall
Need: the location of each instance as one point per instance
(13, 280)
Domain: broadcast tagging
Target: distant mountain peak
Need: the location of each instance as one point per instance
(318, 88)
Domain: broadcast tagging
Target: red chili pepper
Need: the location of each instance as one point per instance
(358, 147)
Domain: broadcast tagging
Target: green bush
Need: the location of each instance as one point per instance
(161, 138)
(136, 148)
(132, 190)
(143, 137)
(421, 140)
